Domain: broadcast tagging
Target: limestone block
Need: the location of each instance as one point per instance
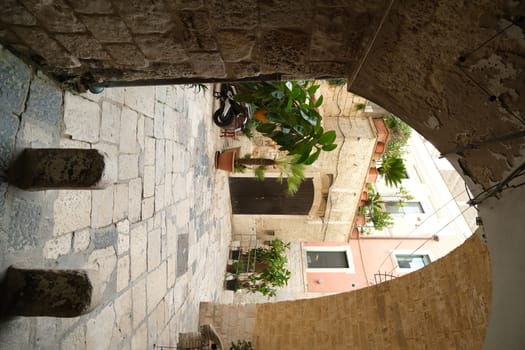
(92, 7)
(141, 99)
(123, 329)
(122, 273)
(103, 261)
(135, 199)
(286, 48)
(42, 168)
(55, 293)
(156, 286)
(83, 46)
(200, 37)
(149, 181)
(160, 168)
(81, 240)
(159, 198)
(110, 123)
(161, 49)
(121, 54)
(158, 120)
(82, 118)
(236, 45)
(128, 131)
(104, 237)
(140, 338)
(8, 133)
(58, 246)
(138, 250)
(123, 237)
(154, 244)
(100, 328)
(226, 15)
(71, 211)
(128, 166)
(149, 150)
(102, 207)
(76, 339)
(139, 302)
(45, 101)
(107, 29)
(208, 64)
(148, 126)
(148, 207)
(121, 201)
(15, 77)
(140, 132)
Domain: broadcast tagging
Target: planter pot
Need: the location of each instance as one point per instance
(380, 147)
(232, 284)
(225, 160)
(364, 196)
(359, 220)
(373, 173)
(355, 233)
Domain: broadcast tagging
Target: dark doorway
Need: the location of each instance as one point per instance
(250, 196)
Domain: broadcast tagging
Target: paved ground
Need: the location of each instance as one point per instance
(158, 235)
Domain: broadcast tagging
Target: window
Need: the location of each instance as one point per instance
(329, 259)
(406, 261)
(409, 207)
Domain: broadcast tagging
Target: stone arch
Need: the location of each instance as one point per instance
(453, 70)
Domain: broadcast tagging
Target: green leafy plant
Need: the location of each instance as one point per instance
(273, 273)
(337, 82)
(287, 113)
(241, 345)
(360, 106)
(374, 208)
(290, 169)
(197, 88)
(399, 134)
(393, 169)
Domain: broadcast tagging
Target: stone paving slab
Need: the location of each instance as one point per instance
(157, 234)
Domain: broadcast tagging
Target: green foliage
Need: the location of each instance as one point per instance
(197, 88)
(399, 134)
(360, 106)
(393, 169)
(241, 345)
(259, 172)
(274, 274)
(337, 82)
(374, 208)
(293, 121)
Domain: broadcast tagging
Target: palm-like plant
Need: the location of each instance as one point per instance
(290, 170)
(393, 169)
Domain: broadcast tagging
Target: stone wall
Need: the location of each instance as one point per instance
(443, 306)
(182, 40)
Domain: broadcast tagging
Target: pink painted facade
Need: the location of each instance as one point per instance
(369, 256)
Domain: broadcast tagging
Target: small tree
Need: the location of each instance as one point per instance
(393, 169)
(290, 170)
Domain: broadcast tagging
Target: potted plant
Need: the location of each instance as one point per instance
(290, 169)
(393, 169)
(374, 209)
(287, 113)
(270, 271)
(241, 345)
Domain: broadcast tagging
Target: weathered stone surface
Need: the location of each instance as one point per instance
(100, 328)
(128, 166)
(122, 272)
(156, 286)
(163, 49)
(128, 131)
(208, 64)
(148, 207)
(76, 339)
(56, 16)
(241, 15)
(139, 301)
(104, 237)
(83, 46)
(287, 49)
(236, 45)
(15, 13)
(154, 247)
(45, 101)
(135, 199)
(51, 53)
(56, 293)
(107, 29)
(102, 207)
(57, 247)
(120, 202)
(137, 15)
(123, 308)
(110, 122)
(56, 168)
(7, 138)
(103, 261)
(25, 219)
(81, 240)
(15, 77)
(140, 338)
(82, 118)
(71, 211)
(92, 6)
(138, 250)
(120, 53)
(182, 254)
(199, 35)
(111, 161)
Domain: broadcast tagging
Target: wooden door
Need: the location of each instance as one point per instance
(268, 197)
